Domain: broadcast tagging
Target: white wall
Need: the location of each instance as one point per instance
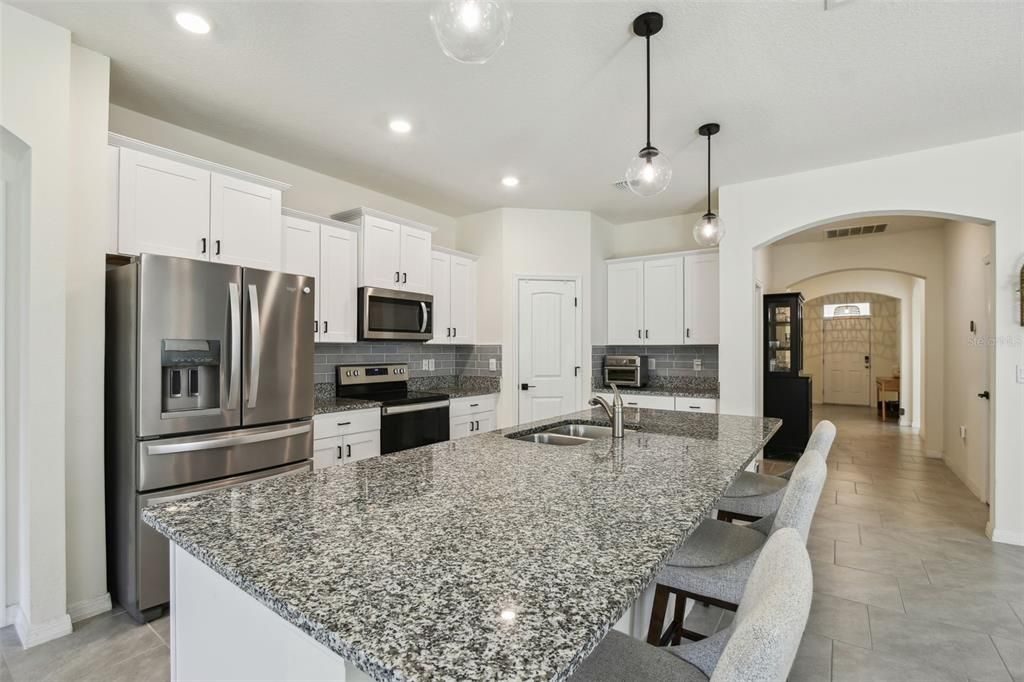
(886, 283)
(311, 191)
(980, 180)
(34, 106)
(966, 360)
(601, 248)
(646, 237)
(920, 253)
(86, 240)
(481, 234)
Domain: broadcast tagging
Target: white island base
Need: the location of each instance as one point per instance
(218, 632)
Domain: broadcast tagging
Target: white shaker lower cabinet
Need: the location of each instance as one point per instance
(696, 405)
(163, 207)
(245, 223)
(345, 437)
(470, 416)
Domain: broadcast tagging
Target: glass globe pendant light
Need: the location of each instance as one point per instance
(471, 31)
(650, 171)
(709, 230)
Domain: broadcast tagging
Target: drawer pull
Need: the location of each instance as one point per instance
(344, 423)
(474, 404)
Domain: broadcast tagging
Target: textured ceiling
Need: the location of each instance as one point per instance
(794, 86)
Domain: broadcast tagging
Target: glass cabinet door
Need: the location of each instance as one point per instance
(781, 327)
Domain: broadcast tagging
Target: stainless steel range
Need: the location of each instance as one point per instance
(408, 419)
(209, 384)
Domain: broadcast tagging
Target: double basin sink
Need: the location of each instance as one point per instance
(567, 434)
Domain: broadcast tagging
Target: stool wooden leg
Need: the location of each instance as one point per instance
(677, 619)
(661, 593)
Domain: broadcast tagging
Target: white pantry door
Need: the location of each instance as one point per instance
(548, 349)
(846, 347)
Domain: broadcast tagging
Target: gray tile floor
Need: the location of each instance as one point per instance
(907, 586)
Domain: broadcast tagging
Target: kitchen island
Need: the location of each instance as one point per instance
(484, 558)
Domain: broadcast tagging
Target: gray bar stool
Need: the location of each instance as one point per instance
(752, 495)
(714, 563)
(759, 646)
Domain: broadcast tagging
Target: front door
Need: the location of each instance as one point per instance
(548, 349)
(847, 354)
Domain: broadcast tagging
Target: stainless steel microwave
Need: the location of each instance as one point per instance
(392, 315)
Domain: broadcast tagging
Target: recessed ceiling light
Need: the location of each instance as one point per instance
(192, 23)
(510, 181)
(399, 125)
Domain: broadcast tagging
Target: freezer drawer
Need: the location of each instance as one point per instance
(169, 462)
(153, 558)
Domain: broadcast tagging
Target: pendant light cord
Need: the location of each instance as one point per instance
(648, 39)
(709, 174)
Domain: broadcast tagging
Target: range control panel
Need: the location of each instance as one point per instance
(348, 375)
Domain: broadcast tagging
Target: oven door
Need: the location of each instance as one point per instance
(388, 314)
(623, 376)
(410, 426)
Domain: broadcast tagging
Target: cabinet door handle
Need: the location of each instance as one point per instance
(477, 425)
(349, 450)
(471, 427)
(647, 333)
(449, 332)
(316, 326)
(339, 452)
(455, 332)
(204, 245)
(217, 243)
(325, 326)
(687, 332)
(639, 333)
(396, 276)
(405, 277)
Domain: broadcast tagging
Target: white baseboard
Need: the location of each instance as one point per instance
(934, 454)
(1007, 537)
(88, 608)
(34, 634)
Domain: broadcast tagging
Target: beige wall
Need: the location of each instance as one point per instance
(481, 234)
(86, 241)
(311, 191)
(647, 237)
(966, 359)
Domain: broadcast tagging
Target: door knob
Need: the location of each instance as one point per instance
(526, 387)
(984, 394)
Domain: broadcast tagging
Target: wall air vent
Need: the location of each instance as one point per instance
(855, 231)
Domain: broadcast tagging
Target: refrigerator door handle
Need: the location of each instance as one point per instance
(265, 475)
(254, 355)
(217, 442)
(236, 344)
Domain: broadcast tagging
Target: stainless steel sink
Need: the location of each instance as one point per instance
(548, 438)
(590, 431)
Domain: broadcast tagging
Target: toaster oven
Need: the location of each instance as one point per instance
(625, 370)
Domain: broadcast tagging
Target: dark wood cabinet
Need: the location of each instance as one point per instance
(787, 392)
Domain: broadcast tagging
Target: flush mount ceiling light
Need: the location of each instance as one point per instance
(471, 31)
(193, 23)
(399, 125)
(650, 171)
(709, 229)
(510, 181)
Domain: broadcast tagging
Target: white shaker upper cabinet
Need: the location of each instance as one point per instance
(337, 284)
(440, 266)
(300, 255)
(463, 300)
(416, 256)
(381, 253)
(163, 207)
(245, 223)
(702, 321)
(663, 301)
(625, 303)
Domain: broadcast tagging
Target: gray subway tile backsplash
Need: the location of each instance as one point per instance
(669, 361)
(449, 360)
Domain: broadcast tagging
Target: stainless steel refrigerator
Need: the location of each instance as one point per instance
(209, 384)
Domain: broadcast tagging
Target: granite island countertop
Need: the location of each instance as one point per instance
(674, 392)
(403, 564)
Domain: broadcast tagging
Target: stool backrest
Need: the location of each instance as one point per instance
(772, 614)
(801, 497)
(822, 438)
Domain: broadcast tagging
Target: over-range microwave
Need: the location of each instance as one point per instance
(392, 315)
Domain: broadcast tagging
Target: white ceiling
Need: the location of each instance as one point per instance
(794, 86)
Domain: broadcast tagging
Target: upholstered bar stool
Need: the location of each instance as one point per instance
(714, 563)
(759, 646)
(752, 495)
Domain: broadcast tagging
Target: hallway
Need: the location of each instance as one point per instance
(907, 586)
